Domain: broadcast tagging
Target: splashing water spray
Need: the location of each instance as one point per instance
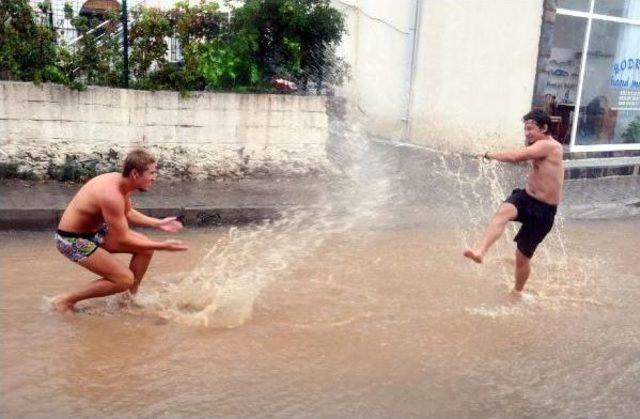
(223, 287)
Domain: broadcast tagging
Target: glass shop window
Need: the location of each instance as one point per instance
(593, 98)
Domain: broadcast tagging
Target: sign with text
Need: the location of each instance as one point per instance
(625, 74)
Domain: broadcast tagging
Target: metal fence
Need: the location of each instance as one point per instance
(55, 18)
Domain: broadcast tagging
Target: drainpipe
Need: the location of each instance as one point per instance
(415, 41)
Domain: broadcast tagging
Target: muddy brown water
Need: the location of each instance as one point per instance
(374, 320)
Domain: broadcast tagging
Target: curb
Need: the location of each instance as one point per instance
(196, 216)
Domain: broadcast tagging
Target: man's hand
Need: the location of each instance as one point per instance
(483, 157)
(170, 224)
(174, 245)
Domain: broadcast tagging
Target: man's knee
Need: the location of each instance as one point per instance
(146, 253)
(502, 217)
(142, 252)
(124, 280)
(507, 211)
(521, 260)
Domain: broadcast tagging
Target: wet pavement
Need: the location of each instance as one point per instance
(417, 176)
(356, 302)
(355, 316)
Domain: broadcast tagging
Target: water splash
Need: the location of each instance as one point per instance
(380, 181)
(222, 289)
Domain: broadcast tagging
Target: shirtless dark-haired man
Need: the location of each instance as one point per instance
(96, 224)
(535, 206)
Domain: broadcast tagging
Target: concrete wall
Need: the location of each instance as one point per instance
(378, 49)
(474, 68)
(206, 135)
(476, 72)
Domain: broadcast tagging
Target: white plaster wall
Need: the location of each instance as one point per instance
(476, 71)
(204, 135)
(378, 49)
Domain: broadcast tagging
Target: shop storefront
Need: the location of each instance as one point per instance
(588, 73)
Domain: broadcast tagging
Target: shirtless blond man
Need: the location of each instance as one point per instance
(96, 224)
(535, 206)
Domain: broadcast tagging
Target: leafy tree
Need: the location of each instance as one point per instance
(96, 58)
(28, 51)
(227, 62)
(203, 22)
(147, 39)
(244, 50)
(295, 37)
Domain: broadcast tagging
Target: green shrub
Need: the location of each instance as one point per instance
(28, 50)
(260, 41)
(11, 170)
(244, 51)
(72, 170)
(96, 58)
(295, 38)
(632, 133)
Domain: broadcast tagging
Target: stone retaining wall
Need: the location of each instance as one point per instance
(203, 136)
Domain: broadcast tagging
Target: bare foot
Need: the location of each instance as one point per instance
(127, 299)
(61, 304)
(473, 255)
(515, 296)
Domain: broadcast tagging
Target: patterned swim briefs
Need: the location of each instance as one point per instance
(77, 246)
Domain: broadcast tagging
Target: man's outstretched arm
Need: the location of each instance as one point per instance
(136, 217)
(113, 211)
(170, 224)
(537, 150)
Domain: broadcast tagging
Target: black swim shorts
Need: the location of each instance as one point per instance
(536, 218)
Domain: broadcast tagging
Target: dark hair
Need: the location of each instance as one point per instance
(137, 159)
(541, 118)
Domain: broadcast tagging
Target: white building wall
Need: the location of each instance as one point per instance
(474, 69)
(378, 49)
(476, 72)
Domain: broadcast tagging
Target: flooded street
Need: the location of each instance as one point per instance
(325, 193)
(378, 321)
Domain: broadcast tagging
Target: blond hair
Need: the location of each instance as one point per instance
(139, 160)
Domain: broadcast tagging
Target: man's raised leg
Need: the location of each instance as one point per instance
(115, 278)
(506, 212)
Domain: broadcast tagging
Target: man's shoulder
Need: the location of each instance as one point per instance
(103, 180)
(111, 200)
(106, 188)
(554, 152)
(551, 145)
(109, 175)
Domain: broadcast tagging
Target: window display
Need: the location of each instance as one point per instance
(593, 97)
